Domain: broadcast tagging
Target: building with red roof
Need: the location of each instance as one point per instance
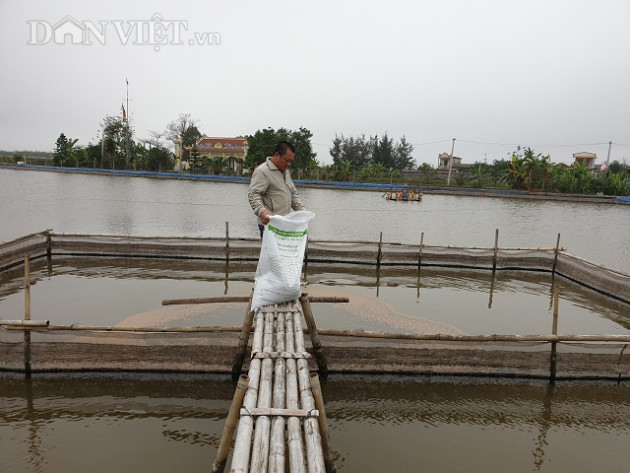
(232, 150)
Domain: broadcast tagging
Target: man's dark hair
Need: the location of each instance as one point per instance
(283, 147)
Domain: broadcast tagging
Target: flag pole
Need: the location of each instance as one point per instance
(127, 126)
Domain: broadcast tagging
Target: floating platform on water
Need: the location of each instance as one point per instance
(405, 195)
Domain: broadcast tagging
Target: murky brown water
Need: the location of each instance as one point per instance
(164, 424)
(109, 291)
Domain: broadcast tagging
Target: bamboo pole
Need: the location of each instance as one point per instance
(312, 438)
(27, 288)
(294, 437)
(227, 299)
(24, 324)
(493, 277)
(277, 455)
(312, 330)
(260, 448)
(206, 300)
(420, 250)
(239, 358)
(272, 411)
(242, 445)
(419, 264)
(48, 245)
(227, 241)
(230, 425)
(554, 331)
(555, 256)
(477, 338)
(27, 316)
(379, 254)
(113, 329)
(19, 325)
(227, 276)
(496, 249)
(556, 299)
(316, 389)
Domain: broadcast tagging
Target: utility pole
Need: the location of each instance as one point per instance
(608, 157)
(450, 164)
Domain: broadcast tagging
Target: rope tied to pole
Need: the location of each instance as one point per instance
(247, 412)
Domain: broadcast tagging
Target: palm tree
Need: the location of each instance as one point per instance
(344, 170)
(479, 174)
(517, 172)
(545, 167)
(529, 162)
(218, 164)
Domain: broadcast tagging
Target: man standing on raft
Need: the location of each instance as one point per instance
(271, 190)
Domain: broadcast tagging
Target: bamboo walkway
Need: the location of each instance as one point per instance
(278, 405)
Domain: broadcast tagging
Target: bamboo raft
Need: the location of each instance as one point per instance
(278, 405)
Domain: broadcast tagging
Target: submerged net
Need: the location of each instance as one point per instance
(207, 351)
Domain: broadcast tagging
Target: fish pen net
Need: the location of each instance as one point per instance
(48, 244)
(12, 253)
(50, 348)
(81, 349)
(77, 349)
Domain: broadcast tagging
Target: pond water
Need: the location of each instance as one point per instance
(172, 423)
(33, 201)
(59, 423)
(110, 291)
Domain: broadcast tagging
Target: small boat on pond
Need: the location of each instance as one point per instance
(403, 195)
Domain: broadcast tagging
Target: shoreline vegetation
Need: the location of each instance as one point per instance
(374, 162)
(365, 186)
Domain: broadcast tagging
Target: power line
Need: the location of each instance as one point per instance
(430, 143)
(533, 145)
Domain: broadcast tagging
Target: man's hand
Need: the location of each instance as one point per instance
(264, 216)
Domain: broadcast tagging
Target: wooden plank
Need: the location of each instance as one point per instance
(260, 448)
(228, 299)
(19, 324)
(282, 354)
(277, 448)
(312, 438)
(242, 445)
(294, 434)
(272, 411)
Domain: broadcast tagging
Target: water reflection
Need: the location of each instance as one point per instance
(508, 426)
(154, 422)
(46, 415)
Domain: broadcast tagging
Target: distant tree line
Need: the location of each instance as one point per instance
(370, 157)
(262, 144)
(526, 170)
(357, 158)
(116, 149)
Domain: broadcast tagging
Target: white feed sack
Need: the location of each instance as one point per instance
(280, 263)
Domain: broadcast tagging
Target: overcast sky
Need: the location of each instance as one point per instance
(553, 75)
